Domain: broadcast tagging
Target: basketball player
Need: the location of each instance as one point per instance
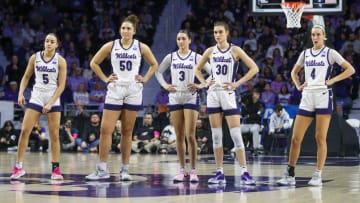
(124, 94)
(50, 79)
(183, 100)
(221, 98)
(316, 101)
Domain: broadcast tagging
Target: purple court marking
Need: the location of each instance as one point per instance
(155, 185)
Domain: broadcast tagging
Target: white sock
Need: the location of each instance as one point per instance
(125, 167)
(318, 172)
(19, 164)
(243, 169)
(102, 165)
(221, 169)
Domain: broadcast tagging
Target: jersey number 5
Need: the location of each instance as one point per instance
(45, 78)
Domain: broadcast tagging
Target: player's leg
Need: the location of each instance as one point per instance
(300, 126)
(30, 118)
(53, 119)
(178, 119)
(233, 122)
(190, 127)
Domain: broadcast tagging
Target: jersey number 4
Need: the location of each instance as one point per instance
(312, 74)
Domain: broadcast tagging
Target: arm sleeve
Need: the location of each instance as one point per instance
(165, 63)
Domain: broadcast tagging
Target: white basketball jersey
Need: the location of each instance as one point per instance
(182, 70)
(126, 62)
(46, 72)
(317, 68)
(222, 66)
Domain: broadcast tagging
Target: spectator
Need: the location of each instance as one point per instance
(38, 140)
(116, 137)
(279, 123)
(89, 140)
(268, 97)
(146, 138)
(203, 137)
(14, 71)
(168, 138)
(11, 93)
(8, 136)
(68, 134)
(252, 114)
(81, 95)
(284, 95)
(81, 116)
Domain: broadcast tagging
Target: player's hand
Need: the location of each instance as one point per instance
(111, 78)
(139, 78)
(329, 82)
(21, 100)
(229, 86)
(170, 88)
(193, 87)
(46, 108)
(301, 87)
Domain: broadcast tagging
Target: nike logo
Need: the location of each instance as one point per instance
(230, 93)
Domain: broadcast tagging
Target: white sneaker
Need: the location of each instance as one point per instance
(286, 180)
(125, 176)
(98, 174)
(315, 180)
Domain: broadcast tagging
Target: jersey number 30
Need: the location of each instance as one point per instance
(221, 69)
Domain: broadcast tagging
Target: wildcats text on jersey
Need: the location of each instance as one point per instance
(125, 55)
(45, 69)
(314, 63)
(182, 66)
(222, 59)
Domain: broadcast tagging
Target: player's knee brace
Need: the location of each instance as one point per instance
(237, 138)
(217, 137)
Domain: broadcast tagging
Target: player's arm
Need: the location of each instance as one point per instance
(295, 72)
(61, 81)
(150, 59)
(348, 68)
(200, 65)
(240, 54)
(165, 64)
(25, 80)
(99, 57)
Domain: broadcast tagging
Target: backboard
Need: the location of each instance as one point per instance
(317, 7)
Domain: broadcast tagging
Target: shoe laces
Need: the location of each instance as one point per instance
(16, 169)
(57, 171)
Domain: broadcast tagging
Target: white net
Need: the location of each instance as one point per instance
(293, 12)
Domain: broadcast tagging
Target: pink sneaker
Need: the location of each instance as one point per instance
(193, 176)
(56, 174)
(17, 173)
(181, 177)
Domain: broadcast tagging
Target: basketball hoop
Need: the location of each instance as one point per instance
(293, 12)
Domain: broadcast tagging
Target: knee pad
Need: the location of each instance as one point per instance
(237, 138)
(217, 137)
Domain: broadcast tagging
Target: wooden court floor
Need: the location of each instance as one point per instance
(153, 180)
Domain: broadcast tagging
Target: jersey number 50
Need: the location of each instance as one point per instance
(125, 65)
